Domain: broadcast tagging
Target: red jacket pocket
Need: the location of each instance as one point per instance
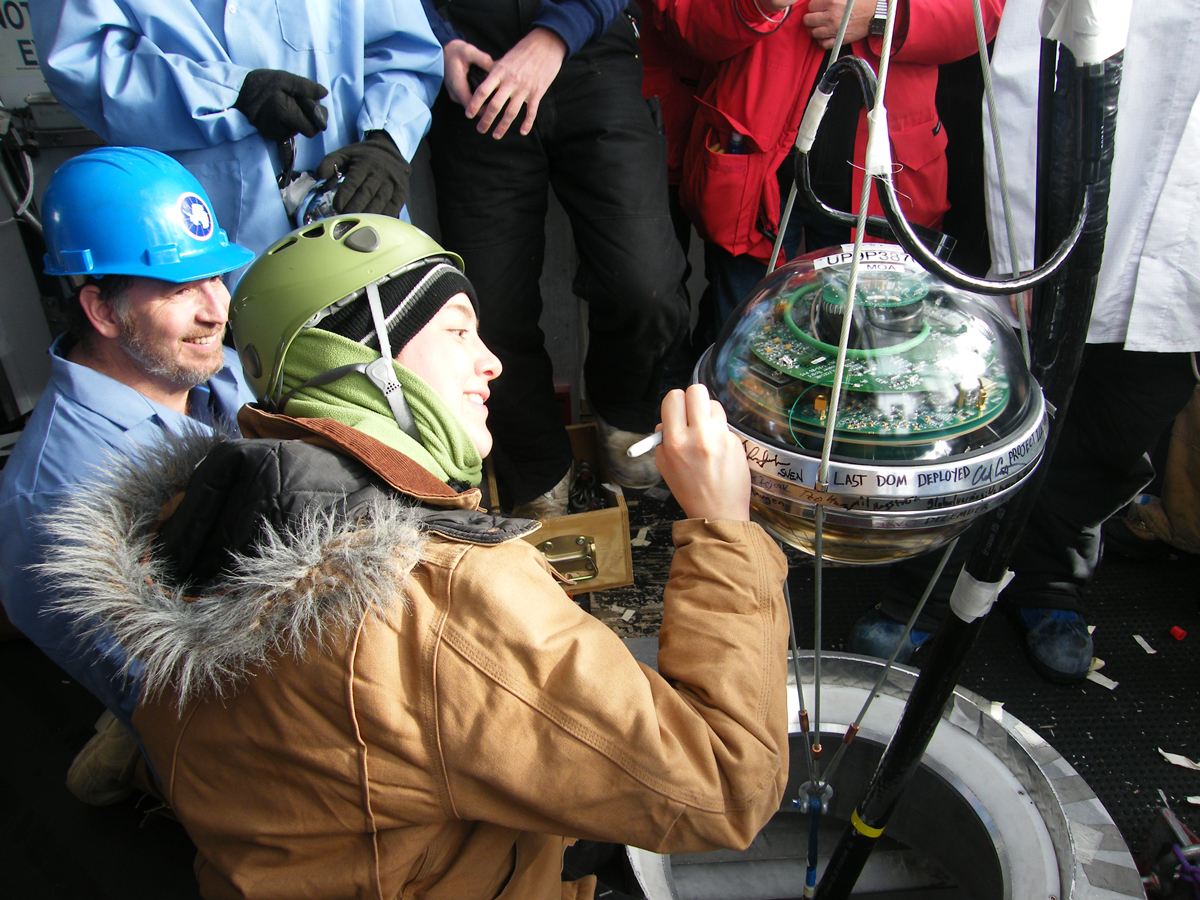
(920, 151)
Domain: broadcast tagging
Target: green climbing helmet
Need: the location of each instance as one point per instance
(307, 271)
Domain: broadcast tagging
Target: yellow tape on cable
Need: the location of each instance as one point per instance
(863, 828)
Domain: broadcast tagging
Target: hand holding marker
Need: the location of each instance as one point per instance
(646, 444)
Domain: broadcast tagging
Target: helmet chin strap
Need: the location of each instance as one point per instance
(381, 371)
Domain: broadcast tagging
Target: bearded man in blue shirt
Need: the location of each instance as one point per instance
(144, 357)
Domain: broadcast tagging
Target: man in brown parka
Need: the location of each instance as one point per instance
(359, 685)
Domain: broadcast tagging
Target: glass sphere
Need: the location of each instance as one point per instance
(938, 420)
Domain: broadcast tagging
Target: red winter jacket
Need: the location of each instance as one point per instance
(757, 81)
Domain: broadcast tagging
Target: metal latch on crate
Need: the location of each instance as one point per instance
(573, 556)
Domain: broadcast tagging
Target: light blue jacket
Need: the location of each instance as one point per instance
(165, 75)
(81, 418)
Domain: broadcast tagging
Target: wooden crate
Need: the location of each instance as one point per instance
(607, 530)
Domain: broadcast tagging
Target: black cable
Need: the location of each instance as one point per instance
(1085, 105)
(926, 245)
(876, 226)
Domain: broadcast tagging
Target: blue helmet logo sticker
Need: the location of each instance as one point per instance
(197, 217)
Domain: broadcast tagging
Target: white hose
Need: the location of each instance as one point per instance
(20, 206)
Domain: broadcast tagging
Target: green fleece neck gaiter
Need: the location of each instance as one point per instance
(445, 449)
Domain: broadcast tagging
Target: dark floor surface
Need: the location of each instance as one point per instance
(54, 847)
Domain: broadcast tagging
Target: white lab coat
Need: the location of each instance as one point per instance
(1148, 294)
(166, 73)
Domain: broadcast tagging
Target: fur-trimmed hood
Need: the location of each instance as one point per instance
(311, 570)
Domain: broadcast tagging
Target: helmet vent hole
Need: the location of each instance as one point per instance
(340, 228)
(315, 232)
(283, 247)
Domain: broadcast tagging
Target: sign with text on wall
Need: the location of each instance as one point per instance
(19, 72)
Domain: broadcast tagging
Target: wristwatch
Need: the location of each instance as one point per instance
(879, 20)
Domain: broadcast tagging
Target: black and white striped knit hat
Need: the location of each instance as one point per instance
(408, 300)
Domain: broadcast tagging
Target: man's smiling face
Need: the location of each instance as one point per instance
(173, 331)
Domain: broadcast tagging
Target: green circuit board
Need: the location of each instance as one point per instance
(911, 393)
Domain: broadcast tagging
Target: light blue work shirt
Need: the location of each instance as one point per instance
(80, 419)
(165, 75)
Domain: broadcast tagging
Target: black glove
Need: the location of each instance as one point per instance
(374, 175)
(280, 104)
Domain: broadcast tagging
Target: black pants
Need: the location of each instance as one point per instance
(1121, 403)
(598, 145)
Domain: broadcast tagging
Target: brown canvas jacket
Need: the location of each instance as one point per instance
(435, 715)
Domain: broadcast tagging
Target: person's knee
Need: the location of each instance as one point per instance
(640, 302)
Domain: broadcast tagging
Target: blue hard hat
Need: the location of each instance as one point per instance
(132, 211)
